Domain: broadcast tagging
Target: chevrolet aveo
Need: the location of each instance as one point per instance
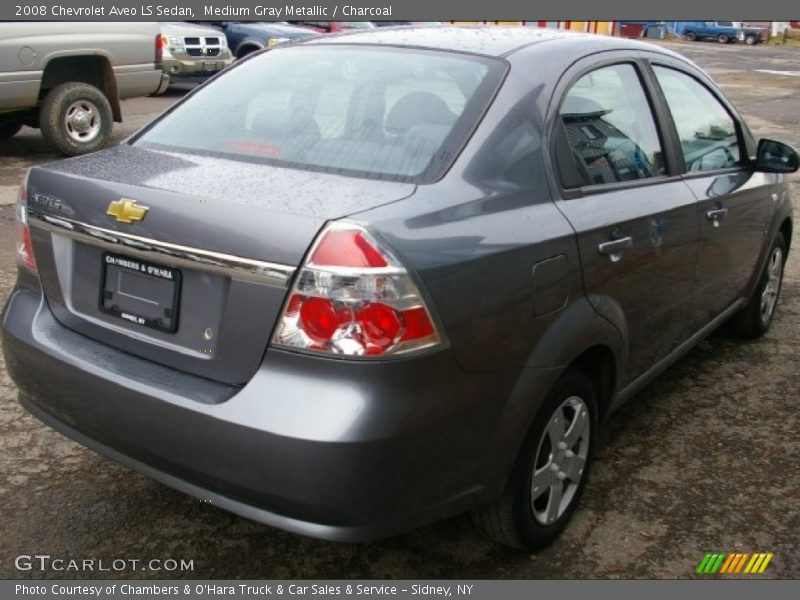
(361, 283)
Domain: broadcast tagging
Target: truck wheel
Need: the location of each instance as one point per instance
(76, 118)
(551, 470)
(9, 129)
(723, 39)
(754, 319)
(691, 36)
(750, 40)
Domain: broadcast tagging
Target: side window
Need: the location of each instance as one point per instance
(706, 130)
(610, 128)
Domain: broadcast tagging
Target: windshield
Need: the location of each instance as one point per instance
(366, 111)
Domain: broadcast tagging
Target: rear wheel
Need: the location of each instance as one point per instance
(750, 40)
(9, 129)
(755, 318)
(76, 118)
(551, 470)
(723, 39)
(691, 36)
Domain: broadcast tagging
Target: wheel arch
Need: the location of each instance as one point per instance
(580, 337)
(246, 47)
(95, 70)
(782, 223)
(786, 229)
(600, 364)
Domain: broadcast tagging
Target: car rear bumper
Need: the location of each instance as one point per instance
(326, 448)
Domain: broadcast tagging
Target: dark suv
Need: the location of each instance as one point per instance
(395, 275)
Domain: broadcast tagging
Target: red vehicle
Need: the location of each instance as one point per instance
(334, 26)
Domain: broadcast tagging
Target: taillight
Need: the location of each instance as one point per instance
(25, 255)
(159, 50)
(352, 297)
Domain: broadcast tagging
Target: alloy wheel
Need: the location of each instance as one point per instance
(772, 287)
(560, 460)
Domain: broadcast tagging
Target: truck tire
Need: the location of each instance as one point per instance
(723, 39)
(76, 118)
(691, 36)
(750, 40)
(9, 129)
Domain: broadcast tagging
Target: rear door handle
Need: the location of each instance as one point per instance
(615, 249)
(716, 215)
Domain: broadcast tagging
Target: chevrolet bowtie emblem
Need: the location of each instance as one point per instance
(126, 211)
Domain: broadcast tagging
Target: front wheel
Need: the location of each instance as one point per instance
(723, 39)
(551, 470)
(750, 40)
(691, 36)
(76, 118)
(755, 318)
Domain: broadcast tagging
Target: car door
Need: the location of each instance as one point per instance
(635, 219)
(734, 202)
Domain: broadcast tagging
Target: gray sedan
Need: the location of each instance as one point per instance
(364, 282)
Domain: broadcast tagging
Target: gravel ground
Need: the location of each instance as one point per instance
(704, 459)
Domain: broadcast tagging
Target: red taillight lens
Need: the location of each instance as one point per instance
(159, 50)
(418, 324)
(25, 255)
(380, 324)
(318, 318)
(346, 248)
(353, 298)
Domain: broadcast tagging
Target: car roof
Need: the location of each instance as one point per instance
(496, 41)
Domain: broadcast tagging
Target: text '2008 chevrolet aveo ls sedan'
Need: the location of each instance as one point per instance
(364, 282)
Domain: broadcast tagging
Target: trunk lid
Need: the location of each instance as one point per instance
(213, 254)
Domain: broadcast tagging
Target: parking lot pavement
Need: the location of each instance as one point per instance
(704, 459)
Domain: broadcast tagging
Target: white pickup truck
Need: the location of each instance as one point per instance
(67, 78)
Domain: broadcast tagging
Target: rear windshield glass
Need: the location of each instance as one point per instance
(364, 111)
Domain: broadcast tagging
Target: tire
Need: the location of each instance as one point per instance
(76, 118)
(755, 318)
(9, 129)
(691, 36)
(723, 39)
(522, 518)
(750, 40)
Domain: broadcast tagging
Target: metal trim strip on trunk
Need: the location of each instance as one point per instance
(181, 256)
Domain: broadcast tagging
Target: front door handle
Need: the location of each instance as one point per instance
(615, 249)
(716, 215)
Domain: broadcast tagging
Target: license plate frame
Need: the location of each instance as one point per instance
(159, 311)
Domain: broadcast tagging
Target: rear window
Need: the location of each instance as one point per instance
(366, 111)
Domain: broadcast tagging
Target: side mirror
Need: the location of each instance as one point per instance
(775, 157)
